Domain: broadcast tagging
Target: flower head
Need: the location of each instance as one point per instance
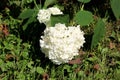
(44, 16)
(60, 43)
(55, 11)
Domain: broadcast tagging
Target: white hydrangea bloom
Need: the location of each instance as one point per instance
(45, 14)
(60, 43)
(55, 11)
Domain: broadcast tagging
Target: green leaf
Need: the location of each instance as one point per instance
(99, 33)
(83, 18)
(20, 76)
(59, 19)
(115, 5)
(40, 70)
(49, 2)
(67, 68)
(9, 64)
(81, 73)
(84, 1)
(30, 20)
(30, 64)
(92, 59)
(27, 13)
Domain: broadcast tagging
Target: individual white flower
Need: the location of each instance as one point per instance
(55, 11)
(44, 16)
(60, 43)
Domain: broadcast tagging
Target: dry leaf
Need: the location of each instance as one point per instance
(112, 45)
(76, 61)
(96, 66)
(45, 76)
(77, 70)
(5, 30)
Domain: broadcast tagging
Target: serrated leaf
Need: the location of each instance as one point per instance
(26, 13)
(99, 33)
(49, 2)
(83, 18)
(84, 1)
(59, 19)
(40, 70)
(115, 5)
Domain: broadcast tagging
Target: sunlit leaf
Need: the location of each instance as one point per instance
(81, 73)
(30, 64)
(21, 76)
(40, 70)
(83, 18)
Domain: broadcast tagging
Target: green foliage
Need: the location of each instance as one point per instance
(13, 57)
(83, 17)
(49, 2)
(99, 32)
(20, 55)
(84, 1)
(30, 15)
(115, 5)
(27, 1)
(15, 61)
(27, 13)
(40, 70)
(59, 19)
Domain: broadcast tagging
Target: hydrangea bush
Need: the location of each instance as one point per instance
(59, 43)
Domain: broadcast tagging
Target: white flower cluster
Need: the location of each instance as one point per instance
(45, 14)
(60, 43)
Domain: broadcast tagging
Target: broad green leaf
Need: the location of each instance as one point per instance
(59, 19)
(115, 4)
(83, 18)
(26, 13)
(99, 33)
(30, 20)
(40, 70)
(84, 1)
(49, 2)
